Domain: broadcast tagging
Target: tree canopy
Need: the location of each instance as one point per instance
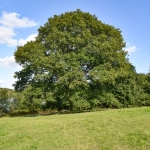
(77, 62)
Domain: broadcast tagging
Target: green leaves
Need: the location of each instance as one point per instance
(76, 59)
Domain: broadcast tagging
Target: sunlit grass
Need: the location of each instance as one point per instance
(121, 129)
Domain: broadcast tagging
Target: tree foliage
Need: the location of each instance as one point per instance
(6, 100)
(76, 63)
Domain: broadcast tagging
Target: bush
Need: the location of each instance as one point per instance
(23, 112)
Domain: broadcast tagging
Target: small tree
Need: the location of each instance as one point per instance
(6, 100)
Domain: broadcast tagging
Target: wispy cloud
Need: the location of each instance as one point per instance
(9, 62)
(130, 49)
(29, 38)
(8, 23)
(5, 84)
(2, 81)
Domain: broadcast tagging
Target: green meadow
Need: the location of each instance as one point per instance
(112, 129)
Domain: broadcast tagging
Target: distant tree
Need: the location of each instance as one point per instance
(147, 85)
(77, 62)
(5, 100)
(144, 83)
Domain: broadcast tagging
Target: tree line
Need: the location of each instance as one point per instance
(77, 63)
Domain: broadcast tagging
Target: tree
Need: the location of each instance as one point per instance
(77, 61)
(6, 100)
(144, 83)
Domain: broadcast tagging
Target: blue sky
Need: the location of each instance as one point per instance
(20, 19)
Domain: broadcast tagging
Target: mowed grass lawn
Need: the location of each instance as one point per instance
(117, 129)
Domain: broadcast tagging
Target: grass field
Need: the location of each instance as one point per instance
(121, 129)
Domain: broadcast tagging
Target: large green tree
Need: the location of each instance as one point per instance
(77, 62)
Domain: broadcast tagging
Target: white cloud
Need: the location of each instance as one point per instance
(29, 38)
(128, 44)
(8, 23)
(12, 20)
(6, 36)
(9, 62)
(4, 84)
(130, 49)
(2, 81)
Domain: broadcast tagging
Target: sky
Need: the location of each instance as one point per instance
(20, 20)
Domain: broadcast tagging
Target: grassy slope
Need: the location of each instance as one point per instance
(120, 129)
